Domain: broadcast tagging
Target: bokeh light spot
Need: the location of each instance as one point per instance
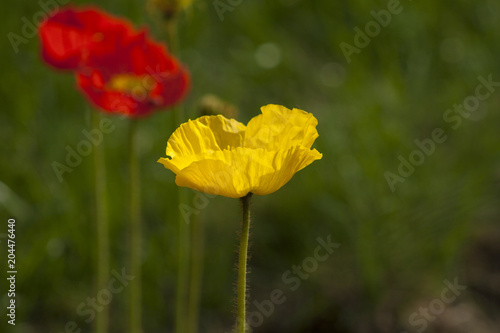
(268, 55)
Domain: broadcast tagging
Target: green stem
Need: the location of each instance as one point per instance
(242, 265)
(174, 48)
(182, 270)
(172, 36)
(181, 306)
(135, 233)
(196, 273)
(101, 209)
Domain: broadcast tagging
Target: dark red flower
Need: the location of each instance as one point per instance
(142, 79)
(119, 69)
(72, 37)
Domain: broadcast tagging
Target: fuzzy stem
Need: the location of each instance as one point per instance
(242, 265)
(101, 211)
(135, 233)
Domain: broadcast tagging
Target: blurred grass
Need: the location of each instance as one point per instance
(395, 247)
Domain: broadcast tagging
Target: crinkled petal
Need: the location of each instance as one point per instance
(212, 177)
(179, 163)
(235, 173)
(285, 165)
(279, 128)
(205, 135)
(231, 173)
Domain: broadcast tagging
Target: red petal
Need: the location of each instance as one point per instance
(72, 37)
(99, 47)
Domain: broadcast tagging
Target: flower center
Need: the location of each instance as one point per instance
(98, 37)
(132, 84)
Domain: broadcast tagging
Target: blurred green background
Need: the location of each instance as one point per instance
(396, 247)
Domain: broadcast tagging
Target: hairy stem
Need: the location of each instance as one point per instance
(242, 265)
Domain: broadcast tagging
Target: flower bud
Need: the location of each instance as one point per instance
(211, 105)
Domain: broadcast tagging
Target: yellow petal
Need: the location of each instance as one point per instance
(234, 173)
(279, 128)
(285, 165)
(231, 173)
(205, 134)
(209, 176)
(193, 140)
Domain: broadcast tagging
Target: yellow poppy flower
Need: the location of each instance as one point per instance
(221, 156)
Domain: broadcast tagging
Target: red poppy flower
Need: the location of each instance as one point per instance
(143, 78)
(72, 37)
(119, 69)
